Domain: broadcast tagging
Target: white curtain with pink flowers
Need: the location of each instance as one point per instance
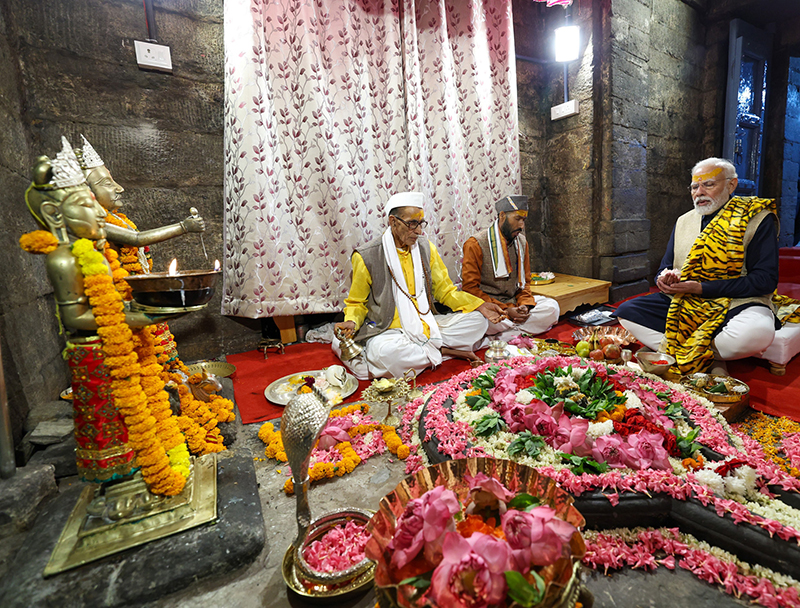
(332, 107)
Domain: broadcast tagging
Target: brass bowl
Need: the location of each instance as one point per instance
(647, 362)
(328, 587)
(221, 369)
(181, 290)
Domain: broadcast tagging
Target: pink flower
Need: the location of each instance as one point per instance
(487, 493)
(514, 415)
(645, 450)
(541, 419)
(570, 436)
(423, 522)
(536, 537)
(332, 435)
(608, 449)
(471, 572)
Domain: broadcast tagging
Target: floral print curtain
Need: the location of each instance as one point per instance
(332, 107)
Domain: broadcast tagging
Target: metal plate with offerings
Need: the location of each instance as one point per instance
(283, 389)
(542, 278)
(593, 335)
(717, 389)
(528, 345)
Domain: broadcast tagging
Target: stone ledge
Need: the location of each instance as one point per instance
(153, 570)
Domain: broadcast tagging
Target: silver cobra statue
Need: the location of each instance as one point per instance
(302, 422)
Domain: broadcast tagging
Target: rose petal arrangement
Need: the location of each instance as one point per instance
(457, 535)
(595, 427)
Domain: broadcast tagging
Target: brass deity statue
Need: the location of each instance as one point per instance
(122, 232)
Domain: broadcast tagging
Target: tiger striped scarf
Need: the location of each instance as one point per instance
(717, 254)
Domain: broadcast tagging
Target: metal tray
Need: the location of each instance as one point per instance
(276, 392)
(728, 398)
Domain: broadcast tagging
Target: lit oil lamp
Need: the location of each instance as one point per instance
(174, 289)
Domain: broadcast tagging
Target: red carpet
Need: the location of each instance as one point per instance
(254, 374)
(776, 395)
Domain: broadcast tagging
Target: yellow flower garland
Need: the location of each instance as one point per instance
(129, 398)
(38, 241)
(129, 255)
(200, 422)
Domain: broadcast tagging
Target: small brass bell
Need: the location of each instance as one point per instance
(350, 349)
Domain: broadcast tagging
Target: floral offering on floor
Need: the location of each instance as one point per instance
(603, 430)
(476, 532)
(350, 436)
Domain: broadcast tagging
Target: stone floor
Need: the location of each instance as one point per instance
(261, 584)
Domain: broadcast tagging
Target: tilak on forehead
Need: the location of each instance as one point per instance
(704, 176)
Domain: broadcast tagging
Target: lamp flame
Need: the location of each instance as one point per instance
(216, 265)
(173, 267)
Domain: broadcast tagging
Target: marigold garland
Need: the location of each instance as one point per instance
(129, 255)
(202, 424)
(322, 470)
(129, 398)
(38, 241)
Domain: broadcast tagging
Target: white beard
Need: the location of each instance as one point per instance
(716, 203)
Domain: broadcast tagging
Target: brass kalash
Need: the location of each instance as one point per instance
(114, 515)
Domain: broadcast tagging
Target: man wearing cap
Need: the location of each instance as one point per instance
(390, 308)
(496, 268)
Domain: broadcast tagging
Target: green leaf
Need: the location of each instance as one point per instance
(489, 425)
(583, 464)
(477, 402)
(418, 582)
(521, 591)
(526, 443)
(718, 388)
(522, 502)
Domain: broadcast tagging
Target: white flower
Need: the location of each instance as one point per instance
(712, 480)
(734, 485)
(598, 429)
(564, 381)
(524, 397)
(577, 372)
(748, 475)
(633, 402)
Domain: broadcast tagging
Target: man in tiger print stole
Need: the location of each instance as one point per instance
(716, 279)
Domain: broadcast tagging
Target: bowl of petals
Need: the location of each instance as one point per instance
(330, 564)
(655, 363)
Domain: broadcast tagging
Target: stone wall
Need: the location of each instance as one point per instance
(68, 67)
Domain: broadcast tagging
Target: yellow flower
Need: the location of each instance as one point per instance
(38, 241)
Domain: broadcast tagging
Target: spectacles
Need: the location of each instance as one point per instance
(708, 184)
(412, 224)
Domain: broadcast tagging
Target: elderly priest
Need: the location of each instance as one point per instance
(496, 268)
(396, 279)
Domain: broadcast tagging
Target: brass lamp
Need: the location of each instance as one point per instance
(350, 349)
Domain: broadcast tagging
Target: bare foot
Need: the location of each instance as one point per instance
(467, 355)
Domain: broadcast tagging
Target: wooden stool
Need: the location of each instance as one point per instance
(571, 292)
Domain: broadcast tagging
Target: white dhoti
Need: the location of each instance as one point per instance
(392, 353)
(542, 317)
(747, 334)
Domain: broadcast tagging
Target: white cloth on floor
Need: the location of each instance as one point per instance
(747, 334)
(543, 316)
(392, 353)
(323, 333)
